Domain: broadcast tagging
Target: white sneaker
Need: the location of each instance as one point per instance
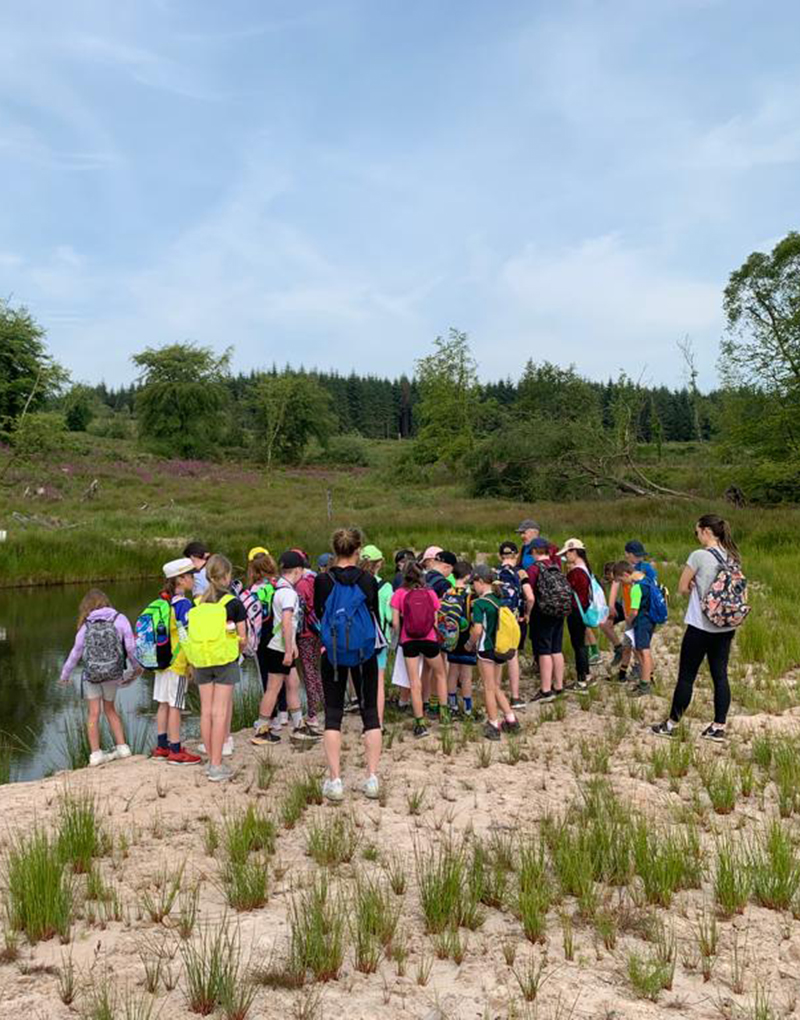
(372, 788)
(122, 751)
(227, 748)
(283, 718)
(333, 790)
(201, 749)
(99, 758)
(218, 773)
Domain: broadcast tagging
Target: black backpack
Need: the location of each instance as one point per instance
(103, 652)
(553, 592)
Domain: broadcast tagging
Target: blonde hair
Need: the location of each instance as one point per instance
(260, 567)
(219, 569)
(93, 599)
(370, 566)
(347, 541)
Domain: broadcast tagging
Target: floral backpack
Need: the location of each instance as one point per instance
(725, 603)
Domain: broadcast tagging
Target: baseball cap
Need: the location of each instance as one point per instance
(255, 552)
(445, 556)
(304, 554)
(371, 553)
(177, 567)
(528, 525)
(483, 572)
(635, 548)
(404, 554)
(571, 544)
(291, 559)
(540, 542)
(432, 553)
(323, 560)
(198, 549)
(508, 549)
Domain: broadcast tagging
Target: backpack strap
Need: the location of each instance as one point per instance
(723, 562)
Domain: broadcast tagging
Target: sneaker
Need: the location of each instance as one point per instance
(518, 704)
(616, 659)
(714, 732)
(636, 672)
(510, 726)
(227, 748)
(663, 729)
(619, 678)
(491, 732)
(420, 730)
(640, 691)
(183, 757)
(372, 788)
(578, 687)
(283, 718)
(218, 773)
(404, 707)
(266, 735)
(543, 697)
(594, 659)
(122, 751)
(333, 790)
(559, 692)
(163, 752)
(99, 758)
(303, 735)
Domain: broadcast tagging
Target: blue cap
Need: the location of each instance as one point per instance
(324, 560)
(635, 548)
(540, 543)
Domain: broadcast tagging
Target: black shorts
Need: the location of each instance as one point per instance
(491, 657)
(274, 663)
(413, 648)
(547, 634)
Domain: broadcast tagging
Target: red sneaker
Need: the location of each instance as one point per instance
(160, 752)
(183, 757)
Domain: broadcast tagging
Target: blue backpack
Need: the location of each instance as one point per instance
(511, 589)
(657, 607)
(348, 629)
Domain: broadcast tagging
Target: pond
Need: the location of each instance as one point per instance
(37, 629)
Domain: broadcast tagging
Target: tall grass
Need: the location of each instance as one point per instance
(215, 977)
(80, 835)
(318, 925)
(39, 893)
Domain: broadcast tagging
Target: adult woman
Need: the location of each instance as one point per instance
(579, 575)
(702, 639)
(347, 545)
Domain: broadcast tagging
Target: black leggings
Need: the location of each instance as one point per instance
(577, 635)
(334, 688)
(697, 645)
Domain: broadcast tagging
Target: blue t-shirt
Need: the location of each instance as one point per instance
(527, 558)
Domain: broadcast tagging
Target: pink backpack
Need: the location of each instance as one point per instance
(419, 616)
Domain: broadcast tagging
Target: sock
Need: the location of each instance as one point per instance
(510, 717)
(452, 701)
(671, 725)
(593, 649)
(420, 721)
(163, 743)
(297, 718)
(495, 723)
(434, 702)
(467, 704)
(175, 748)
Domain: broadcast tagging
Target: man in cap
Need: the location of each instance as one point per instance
(527, 531)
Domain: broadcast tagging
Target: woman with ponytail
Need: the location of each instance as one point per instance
(702, 639)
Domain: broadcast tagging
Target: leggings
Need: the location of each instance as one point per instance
(577, 635)
(309, 647)
(334, 687)
(263, 672)
(697, 645)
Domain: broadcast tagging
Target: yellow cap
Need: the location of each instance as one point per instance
(255, 551)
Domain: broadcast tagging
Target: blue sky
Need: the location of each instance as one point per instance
(335, 183)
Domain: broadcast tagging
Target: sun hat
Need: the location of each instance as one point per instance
(508, 549)
(572, 544)
(635, 548)
(432, 552)
(371, 553)
(291, 559)
(255, 552)
(177, 567)
(483, 572)
(528, 525)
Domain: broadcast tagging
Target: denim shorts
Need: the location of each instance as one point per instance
(643, 628)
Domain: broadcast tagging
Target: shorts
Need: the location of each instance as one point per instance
(383, 658)
(547, 634)
(228, 675)
(619, 612)
(170, 688)
(106, 691)
(643, 628)
(461, 658)
(413, 648)
(273, 660)
(491, 657)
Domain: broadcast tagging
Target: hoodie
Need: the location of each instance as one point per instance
(123, 628)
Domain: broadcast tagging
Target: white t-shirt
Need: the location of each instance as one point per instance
(706, 567)
(285, 598)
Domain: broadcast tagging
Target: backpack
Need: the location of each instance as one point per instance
(419, 617)
(657, 606)
(725, 603)
(305, 589)
(597, 610)
(508, 634)
(153, 644)
(208, 641)
(511, 595)
(103, 652)
(347, 629)
(553, 592)
(258, 606)
(453, 618)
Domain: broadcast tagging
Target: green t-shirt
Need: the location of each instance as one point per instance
(385, 593)
(636, 595)
(486, 611)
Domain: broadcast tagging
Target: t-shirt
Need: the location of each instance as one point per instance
(398, 601)
(648, 570)
(437, 582)
(284, 600)
(581, 584)
(486, 612)
(385, 593)
(706, 567)
(200, 582)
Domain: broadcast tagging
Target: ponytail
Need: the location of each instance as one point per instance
(218, 571)
(721, 530)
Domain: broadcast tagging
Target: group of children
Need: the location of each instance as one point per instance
(329, 631)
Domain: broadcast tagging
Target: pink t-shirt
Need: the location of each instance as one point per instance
(398, 602)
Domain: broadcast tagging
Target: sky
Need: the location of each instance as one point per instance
(336, 183)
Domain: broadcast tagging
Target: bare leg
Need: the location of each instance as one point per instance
(466, 681)
(274, 683)
(438, 675)
(546, 672)
(558, 671)
(220, 719)
(114, 722)
(372, 750)
(162, 717)
(93, 723)
(486, 670)
(412, 668)
(206, 704)
(332, 743)
(513, 676)
(381, 693)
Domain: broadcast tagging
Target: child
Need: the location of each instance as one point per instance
(281, 656)
(213, 643)
(199, 555)
(461, 661)
(579, 576)
(547, 629)
(518, 596)
(169, 688)
(636, 555)
(485, 616)
(438, 564)
(372, 563)
(414, 609)
(638, 622)
(103, 639)
(309, 649)
(616, 612)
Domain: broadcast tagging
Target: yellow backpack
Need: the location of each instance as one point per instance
(506, 640)
(207, 641)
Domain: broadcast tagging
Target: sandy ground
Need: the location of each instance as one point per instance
(162, 812)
